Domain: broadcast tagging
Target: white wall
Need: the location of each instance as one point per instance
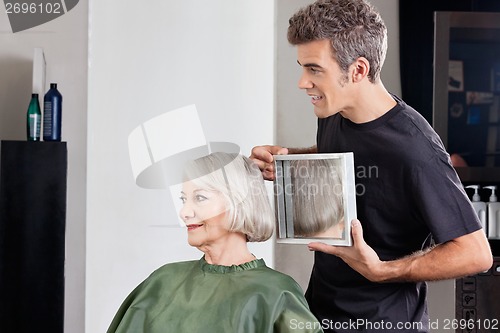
(64, 41)
(145, 61)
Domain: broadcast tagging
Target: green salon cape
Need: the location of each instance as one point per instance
(195, 297)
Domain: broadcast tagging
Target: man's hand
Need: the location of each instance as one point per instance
(360, 256)
(462, 256)
(263, 157)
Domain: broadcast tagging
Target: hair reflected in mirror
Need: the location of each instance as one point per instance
(318, 206)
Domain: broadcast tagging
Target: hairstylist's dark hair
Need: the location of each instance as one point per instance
(353, 27)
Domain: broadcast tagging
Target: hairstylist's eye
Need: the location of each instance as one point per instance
(313, 70)
(183, 199)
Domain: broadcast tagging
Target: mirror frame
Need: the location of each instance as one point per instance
(284, 201)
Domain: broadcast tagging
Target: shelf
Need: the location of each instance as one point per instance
(32, 236)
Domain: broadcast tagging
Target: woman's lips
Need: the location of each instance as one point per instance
(192, 227)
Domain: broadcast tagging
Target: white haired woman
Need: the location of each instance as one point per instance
(225, 205)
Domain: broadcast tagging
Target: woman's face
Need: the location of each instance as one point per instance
(205, 214)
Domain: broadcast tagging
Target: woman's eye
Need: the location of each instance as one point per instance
(313, 70)
(200, 198)
(183, 199)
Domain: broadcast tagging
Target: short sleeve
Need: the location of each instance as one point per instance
(442, 201)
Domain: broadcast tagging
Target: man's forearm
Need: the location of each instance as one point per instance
(444, 261)
(308, 150)
(466, 255)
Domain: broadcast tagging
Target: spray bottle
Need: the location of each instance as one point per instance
(493, 214)
(479, 206)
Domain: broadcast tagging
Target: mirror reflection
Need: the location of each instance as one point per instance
(317, 196)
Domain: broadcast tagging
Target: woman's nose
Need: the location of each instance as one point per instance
(186, 212)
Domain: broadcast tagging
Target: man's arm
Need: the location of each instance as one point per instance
(462, 256)
(308, 150)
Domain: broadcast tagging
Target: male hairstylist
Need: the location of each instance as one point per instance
(415, 196)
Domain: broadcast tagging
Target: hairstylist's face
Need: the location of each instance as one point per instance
(204, 213)
(322, 78)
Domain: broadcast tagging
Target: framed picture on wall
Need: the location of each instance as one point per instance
(315, 198)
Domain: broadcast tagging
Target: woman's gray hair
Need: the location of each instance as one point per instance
(354, 28)
(317, 195)
(241, 183)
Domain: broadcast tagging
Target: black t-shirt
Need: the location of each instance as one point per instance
(407, 191)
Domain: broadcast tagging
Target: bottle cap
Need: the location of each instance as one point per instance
(493, 196)
(476, 196)
(53, 85)
(34, 95)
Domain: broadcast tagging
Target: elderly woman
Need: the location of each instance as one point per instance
(225, 205)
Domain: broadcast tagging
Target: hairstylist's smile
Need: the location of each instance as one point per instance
(315, 98)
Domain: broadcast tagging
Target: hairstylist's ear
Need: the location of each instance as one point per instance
(360, 69)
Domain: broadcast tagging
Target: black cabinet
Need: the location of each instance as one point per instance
(476, 301)
(32, 236)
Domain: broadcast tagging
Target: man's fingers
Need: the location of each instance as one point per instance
(263, 157)
(357, 232)
(317, 246)
(268, 174)
(262, 153)
(261, 164)
(357, 236)
(281, 151)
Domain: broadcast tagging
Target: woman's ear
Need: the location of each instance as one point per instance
(360, 69)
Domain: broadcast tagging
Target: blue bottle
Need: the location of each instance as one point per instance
(52, 113)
